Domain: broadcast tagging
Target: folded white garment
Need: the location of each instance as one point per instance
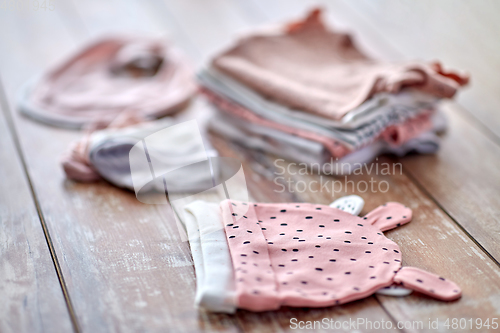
(358, 128)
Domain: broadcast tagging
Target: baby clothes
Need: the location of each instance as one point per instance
(359, 127)
(117, 154)
(259, 256)
(305, 86)
(394, 130)
(313, 255)
(110, 76)
(260, 138)
(311, 68)
(301, 150)
(335, 147)
(215, 285)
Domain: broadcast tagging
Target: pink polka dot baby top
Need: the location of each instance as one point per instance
(314, 255)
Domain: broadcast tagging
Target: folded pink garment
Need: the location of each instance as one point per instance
(144, 76)
(308, 255)
(313, 69)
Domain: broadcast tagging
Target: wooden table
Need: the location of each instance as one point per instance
(91, 258)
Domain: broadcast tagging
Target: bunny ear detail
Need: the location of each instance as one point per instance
(389, 216)
(428, 284)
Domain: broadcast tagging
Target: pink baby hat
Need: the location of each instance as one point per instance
(308, 255)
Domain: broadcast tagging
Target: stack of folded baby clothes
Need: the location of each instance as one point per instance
(308, 94)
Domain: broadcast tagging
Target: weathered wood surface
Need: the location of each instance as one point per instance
(123, 262)
(31, 299)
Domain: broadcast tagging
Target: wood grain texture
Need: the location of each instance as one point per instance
(31, 296)
(125, 266)
(464, 179)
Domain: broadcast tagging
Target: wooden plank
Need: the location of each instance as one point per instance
(31, 296)
(209, 25)
(464, 179)
(125, 266)
(95, 17)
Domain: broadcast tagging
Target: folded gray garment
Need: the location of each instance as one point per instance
(356, 129)
(133, 157)
(301, 150)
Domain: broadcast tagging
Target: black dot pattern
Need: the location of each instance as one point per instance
(427, 283)
(317, 254)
